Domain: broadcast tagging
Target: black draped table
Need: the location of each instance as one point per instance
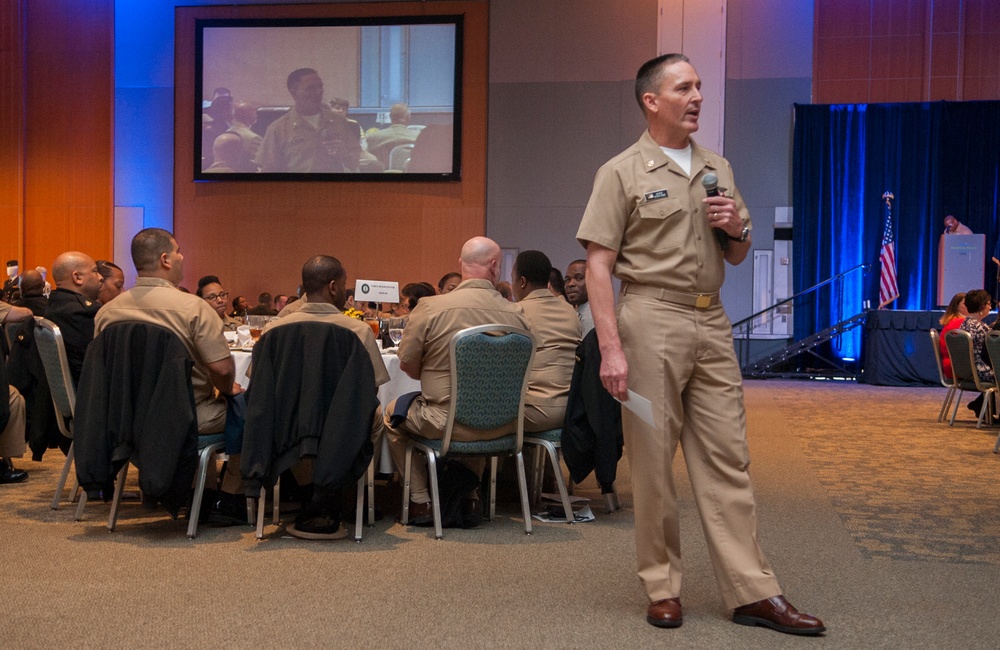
(897, 348)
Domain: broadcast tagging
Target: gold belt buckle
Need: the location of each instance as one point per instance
(703, 301)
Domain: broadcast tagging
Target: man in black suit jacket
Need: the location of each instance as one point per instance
(73, 304)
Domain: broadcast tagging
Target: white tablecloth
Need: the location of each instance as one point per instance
(399, 384)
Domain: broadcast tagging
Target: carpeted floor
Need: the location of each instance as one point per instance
(876, 518)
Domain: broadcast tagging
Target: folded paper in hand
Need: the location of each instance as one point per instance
(641, 406)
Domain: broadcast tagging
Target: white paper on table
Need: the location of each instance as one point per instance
(639, 405)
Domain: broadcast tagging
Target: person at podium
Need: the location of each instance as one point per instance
(953, 226)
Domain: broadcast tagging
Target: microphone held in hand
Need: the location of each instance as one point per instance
(711, 183)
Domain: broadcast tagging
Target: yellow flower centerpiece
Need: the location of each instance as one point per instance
(354, 313)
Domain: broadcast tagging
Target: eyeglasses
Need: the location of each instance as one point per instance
(212, 297)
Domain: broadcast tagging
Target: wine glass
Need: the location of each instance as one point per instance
(396, 326)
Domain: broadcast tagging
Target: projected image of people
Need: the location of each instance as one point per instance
(274, 99)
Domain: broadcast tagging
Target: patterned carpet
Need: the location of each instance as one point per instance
(906, 486)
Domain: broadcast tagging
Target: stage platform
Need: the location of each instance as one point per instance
(897, 348)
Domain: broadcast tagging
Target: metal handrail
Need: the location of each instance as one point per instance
(746, 322)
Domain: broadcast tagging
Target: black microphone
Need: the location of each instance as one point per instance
(711, 183)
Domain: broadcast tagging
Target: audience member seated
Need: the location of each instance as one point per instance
(366, 161)
(448, 282)
(33, 293)
(978, 304)
(155, 299)
(424, 354)
(264, 306)
(211, 291)
(73, 305)
(280, 301)
(433, 150)
(240, 307)
(576, 293)
(228, 155)
(382, 142)
(557, 285)
(951, 320)
(324, 281)
(417, 291)
(114, 281)
(556, 328)
(244, 116)
(505, 290)
(10, 285)
(12, 412)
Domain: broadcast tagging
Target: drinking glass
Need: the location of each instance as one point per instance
(396, 326)
(256, 324)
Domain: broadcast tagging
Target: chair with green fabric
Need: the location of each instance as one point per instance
(489, 378)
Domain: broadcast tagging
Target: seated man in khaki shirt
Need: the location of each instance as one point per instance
(424, 355)
(556, 328)
(324, 281)
(155, 299)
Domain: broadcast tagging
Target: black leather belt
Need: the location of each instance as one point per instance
(696, 300)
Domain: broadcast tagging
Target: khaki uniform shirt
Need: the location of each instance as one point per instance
(647, 209)
(292, 307)
(556, 328)
(292, 144)
(324, 312)
(229, 324)
(435, 320)
(158, 302)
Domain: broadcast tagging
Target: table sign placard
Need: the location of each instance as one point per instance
(376, 291)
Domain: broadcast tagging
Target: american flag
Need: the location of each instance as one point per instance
(888, 287)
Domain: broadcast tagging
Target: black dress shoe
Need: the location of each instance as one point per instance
(665, 613)
(778, 614)
(10, 475)
(421, 514)
(229, 510)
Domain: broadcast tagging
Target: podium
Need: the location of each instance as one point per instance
(961, 265)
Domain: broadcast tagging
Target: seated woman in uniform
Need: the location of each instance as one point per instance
(210, 289)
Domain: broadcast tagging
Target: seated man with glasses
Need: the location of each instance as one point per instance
(210, 288)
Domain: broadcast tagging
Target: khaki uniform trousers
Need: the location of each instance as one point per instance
(12, 437)
(682, 360)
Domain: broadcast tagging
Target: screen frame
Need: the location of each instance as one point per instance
(455, 175)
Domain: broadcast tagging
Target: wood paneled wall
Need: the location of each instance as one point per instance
(56, 139)
(256, 235)
(906, 50)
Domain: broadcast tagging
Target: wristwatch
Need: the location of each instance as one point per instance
(743, 235)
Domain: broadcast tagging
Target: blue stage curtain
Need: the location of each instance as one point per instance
(936, 158)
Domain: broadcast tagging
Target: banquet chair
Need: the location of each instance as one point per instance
(489, 368)
(294, 390)
(993, 349)
(52, 351)
(128, 414)
(399, 156)
(947, 383)
(551, 443)
(963, 368)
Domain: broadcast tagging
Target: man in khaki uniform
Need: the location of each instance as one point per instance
(324, 281)
(556, 328)
(155, 299)
(424, 355)
(650, 223)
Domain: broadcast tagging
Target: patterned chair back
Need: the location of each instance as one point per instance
(489, 377)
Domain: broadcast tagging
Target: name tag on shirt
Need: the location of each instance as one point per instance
(653, 196)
